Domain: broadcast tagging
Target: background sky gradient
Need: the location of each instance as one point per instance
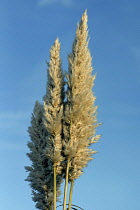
(27, 31)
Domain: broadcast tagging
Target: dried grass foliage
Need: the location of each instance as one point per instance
(64, 126)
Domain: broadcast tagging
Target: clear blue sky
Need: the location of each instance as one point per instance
(27, 31)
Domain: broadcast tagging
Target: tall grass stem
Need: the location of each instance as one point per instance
(70, 195)
(66, 185)
(54, 186)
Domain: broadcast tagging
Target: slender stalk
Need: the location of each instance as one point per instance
(70, 195)
(54, 186)
(66, 185)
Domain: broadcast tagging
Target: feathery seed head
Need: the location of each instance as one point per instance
(53, 106)
(80, 110)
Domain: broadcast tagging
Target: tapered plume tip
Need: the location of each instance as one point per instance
(57, 40)
(85, 16)
(85, 12)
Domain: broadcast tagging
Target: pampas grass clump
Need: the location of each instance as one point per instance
(64, 126)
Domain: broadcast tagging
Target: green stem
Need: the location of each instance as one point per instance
(54, 186)
(66, 185)
(70, 195)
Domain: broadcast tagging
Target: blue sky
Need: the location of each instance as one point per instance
(27, 31)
